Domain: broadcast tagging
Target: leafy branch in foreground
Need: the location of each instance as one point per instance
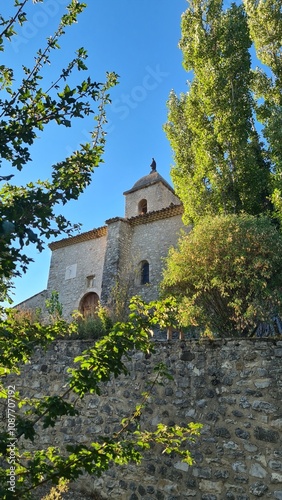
(21, 332)
(94, 367)
(28, 213)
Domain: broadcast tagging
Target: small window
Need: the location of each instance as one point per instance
(90, 280)
(142, 207)
(145, 272)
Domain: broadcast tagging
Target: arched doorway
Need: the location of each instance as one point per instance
(89, 304)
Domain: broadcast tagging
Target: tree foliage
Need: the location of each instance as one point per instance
(33, 467)
(227, 275)
(226, 130)
(28, 213)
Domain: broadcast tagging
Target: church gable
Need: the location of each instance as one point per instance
(76, 269)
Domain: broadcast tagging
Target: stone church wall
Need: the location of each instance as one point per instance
(112, 254)
(129, 244)
(35, 302)
(151, 242)
(233, 388)
(70, 266)
(117, 263)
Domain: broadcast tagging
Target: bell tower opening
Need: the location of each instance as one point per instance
(142, 207)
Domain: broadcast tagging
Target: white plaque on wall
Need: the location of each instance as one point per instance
(70, 272)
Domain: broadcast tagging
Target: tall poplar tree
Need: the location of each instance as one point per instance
(225, 160)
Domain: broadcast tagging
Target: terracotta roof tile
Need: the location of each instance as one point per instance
(89, 235)
(164, 213)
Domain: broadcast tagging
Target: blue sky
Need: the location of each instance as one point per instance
(138, 39)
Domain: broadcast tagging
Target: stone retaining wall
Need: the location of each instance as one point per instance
(232, 387)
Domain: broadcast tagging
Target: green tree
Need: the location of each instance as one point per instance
(225, 132)
(265, 25)
(28, 213)
(226, 275)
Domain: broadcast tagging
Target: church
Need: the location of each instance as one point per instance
(126, 253)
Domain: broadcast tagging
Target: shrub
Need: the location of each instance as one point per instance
(93, 327)
(227, 274)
